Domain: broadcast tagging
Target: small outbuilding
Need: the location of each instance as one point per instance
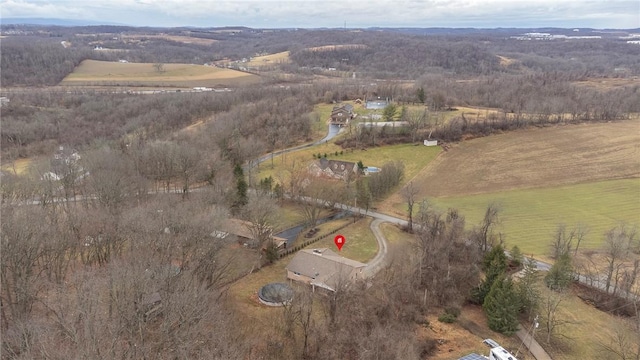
(431, 142)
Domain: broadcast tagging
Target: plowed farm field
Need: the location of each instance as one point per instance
(105, 73)
(534, 158)
(575, 174)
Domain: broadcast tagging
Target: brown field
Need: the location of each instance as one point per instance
(337, 47)
(176, 38)
(505, 61)
(92, 73)
(19, 166)
(269, 60)
(534, 158)
(608, 83)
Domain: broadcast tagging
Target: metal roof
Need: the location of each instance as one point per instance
(473, 356)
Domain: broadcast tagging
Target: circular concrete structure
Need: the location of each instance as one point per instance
(275, 294)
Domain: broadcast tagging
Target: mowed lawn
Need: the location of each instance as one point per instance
(360, 244)
(587, 173)
(415, 158)
(530, 217)
(93, 72)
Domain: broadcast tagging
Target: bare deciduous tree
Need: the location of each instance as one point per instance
(618, 242)
(484, 235)
(409, 193)
(552, 321)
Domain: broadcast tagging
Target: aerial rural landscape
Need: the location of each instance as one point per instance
(328, 193)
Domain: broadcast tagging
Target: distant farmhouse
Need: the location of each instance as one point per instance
(65, 162)
(341, 114)
(324, 268)
(333, 169)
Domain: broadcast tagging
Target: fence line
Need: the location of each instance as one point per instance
(314, 240)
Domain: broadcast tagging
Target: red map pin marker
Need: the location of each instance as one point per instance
(339, 240)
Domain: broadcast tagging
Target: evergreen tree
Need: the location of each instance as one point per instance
(241, 187)
(502, 306)
(527, 288)
(389, 112)
(494, 265)
(420, 95)
(516, 256)
(363, 194)
(561, 273)
(496, 258)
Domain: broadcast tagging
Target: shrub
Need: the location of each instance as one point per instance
(447, 318)
(455, 311)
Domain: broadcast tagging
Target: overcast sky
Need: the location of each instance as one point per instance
(334, 13)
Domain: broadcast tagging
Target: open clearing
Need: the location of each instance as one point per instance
(338, 47)
(608, 83)
(414, 158)
(529, 217)
(176, 38)
(535, 158)
(93, 72)
(360, 243)
(269, 60)
(18, 167)
(505, 61)
(572, 174)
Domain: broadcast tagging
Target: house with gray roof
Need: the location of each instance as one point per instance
(334, 169)
(324, 268)
(341, 114)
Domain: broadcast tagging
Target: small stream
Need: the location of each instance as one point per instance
(292, 234)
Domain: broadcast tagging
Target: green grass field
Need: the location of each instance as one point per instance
(359, 245)
(529, 217)
(414, 158)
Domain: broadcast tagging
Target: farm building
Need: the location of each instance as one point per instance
(341, 114)
(431, 142)
(324, 268)
(334, 169)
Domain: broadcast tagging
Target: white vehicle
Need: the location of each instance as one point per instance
(497, 352)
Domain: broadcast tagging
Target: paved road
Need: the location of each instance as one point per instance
(380, 260)
(534, 348)
(331, 133)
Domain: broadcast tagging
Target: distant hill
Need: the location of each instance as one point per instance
(52, 21)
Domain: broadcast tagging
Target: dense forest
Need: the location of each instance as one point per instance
(383, 54)
(133, 267)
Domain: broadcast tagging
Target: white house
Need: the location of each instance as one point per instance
(431, 142)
